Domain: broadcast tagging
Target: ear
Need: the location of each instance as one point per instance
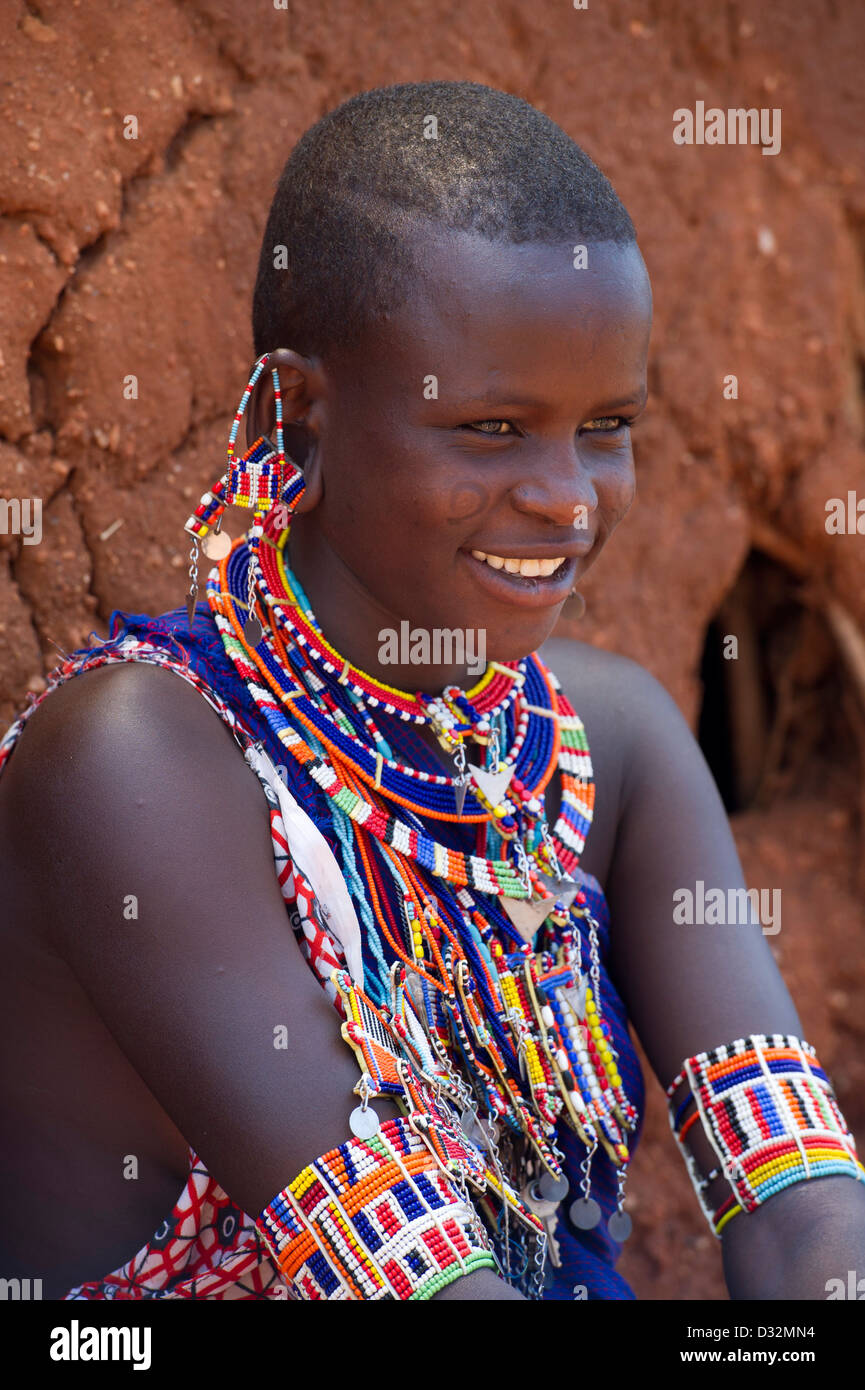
(301, 384)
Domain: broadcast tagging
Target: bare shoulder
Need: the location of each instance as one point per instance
(102, 723)
(623, 706)
(116, 763)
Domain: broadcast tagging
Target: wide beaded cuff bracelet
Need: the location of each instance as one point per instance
(770, 1114)
(374, 1219)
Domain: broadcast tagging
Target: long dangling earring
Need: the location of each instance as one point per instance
(262, 478)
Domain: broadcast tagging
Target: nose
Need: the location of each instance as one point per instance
(558, 488)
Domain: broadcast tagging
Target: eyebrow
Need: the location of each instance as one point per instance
(494, 397)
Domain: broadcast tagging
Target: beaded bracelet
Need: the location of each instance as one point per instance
(771, 1116)
(374, 1219)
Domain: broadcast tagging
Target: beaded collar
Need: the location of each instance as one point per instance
(489, 941)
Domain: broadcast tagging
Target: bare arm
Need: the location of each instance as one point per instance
(690, 988)
(132, 785)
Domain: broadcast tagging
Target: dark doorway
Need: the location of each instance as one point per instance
(777, 707)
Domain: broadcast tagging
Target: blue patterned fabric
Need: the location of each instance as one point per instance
(588, 1257)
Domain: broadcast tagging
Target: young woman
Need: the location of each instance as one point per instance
(452, 320)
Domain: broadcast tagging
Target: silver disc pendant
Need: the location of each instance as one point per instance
(585, 1213)
(553, 1189)
(468, 1122)
(619, 1226)
(217, 545)
(363, 1123)
(414, 990)
(252, 631)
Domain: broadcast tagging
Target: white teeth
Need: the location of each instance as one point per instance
(531, 569)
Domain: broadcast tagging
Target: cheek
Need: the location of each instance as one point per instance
(616, 486)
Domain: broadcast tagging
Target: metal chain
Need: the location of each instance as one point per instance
(250, 590)
(585, 1169)
(540, 1265)
(594, 956)
(193, 568)
(621, 1173)
(552, 857)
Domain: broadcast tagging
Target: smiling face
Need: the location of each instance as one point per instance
(480, 499)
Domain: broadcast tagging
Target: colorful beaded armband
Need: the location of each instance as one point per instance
(770, 1114)
(374, 1219)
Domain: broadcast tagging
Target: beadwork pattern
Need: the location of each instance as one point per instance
(374, 1219)
(481, 986)
(771, 1115)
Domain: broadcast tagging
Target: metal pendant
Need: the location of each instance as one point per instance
(191, 600)
(564, 890)
(527, 915)
(620, 1226)
(585, 1213)
(252, 631)
(217, 545)
(553, 1189)
(414, 990)
(468, 1121)
(492, 784)
(471, 1127)
(363, 1123)
(460, 789)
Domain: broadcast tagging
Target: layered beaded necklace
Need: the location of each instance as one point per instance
(489, 939)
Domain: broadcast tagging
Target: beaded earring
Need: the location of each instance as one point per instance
(262, 478)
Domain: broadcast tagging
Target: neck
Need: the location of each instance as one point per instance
(371, 636)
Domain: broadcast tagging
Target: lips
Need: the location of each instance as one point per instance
(518, 581)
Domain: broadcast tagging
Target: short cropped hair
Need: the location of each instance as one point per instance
(342, 243)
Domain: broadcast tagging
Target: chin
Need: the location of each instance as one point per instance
(521, 639)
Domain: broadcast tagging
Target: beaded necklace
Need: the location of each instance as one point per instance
(488, 942)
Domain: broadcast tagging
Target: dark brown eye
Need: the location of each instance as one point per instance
(478, 425)
(606, 424)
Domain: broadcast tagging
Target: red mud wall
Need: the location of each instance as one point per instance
(124, 257)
